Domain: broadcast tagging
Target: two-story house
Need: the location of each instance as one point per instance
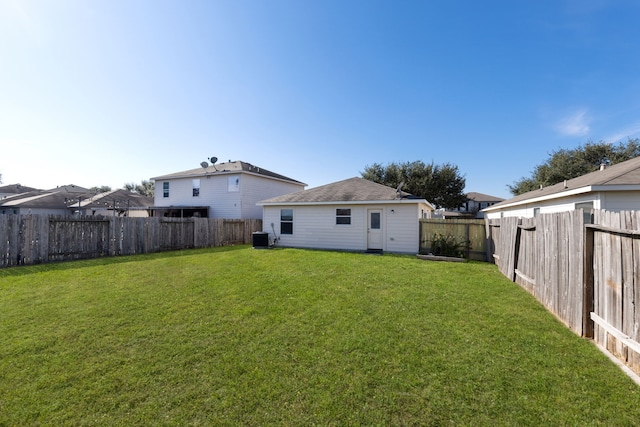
(226, 190)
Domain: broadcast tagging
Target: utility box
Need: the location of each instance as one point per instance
(260, 240)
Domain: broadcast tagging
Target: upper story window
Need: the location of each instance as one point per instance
(195, 183)
(165, 189)
(233, 184)
(286, 221)
(343, 216)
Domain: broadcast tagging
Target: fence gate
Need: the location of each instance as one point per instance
(612, 272)
(76, 238)
(470, 233)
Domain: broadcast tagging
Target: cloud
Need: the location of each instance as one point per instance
(631, 131)
(575, 124)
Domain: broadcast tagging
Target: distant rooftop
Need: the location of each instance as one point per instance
(348, 190)
(479, 197)
(15, 189)
(227, 168)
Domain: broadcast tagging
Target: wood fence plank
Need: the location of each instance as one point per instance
(614, 284)
(634, 295)
(576, 265)
(628, 304)
(43, 238)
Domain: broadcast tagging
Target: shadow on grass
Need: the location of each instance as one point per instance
(22, 270)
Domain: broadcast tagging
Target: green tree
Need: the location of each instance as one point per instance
(101, 189)
(571, 163)
(146, 188)
(441, 185)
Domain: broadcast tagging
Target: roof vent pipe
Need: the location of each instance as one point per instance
(603, 166)
(565, 184)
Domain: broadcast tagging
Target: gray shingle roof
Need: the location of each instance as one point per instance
(15, 189)
(348, 190)
(621, 174)
(226, 168)
(67, 195)
(479, 197)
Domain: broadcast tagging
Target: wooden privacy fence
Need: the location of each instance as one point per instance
(583, 267)
(470, 233)
(34, 239)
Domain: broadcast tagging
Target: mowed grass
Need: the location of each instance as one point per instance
(237, 336)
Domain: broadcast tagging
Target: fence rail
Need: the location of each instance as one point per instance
(583, 267)
(35, 239)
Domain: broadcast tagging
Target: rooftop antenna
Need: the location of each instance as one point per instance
(399, 188)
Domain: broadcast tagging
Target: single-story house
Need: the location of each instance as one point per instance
(73, 199)
(56, 201)
(226, 190)
(614, 188)
(13, 190)
(114, 203)
(353, 215)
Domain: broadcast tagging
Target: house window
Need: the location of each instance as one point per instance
(165, 189)
(233, 184)
(343, 216)
(536, 211)
(195, 183)
(286, 221)
(584, 205)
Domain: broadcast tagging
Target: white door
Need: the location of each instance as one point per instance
(374, 229)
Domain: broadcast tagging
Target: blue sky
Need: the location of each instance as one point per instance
(109, 92)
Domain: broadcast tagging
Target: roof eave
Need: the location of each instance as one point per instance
(348, 202)
(205, 174)
(559, 195)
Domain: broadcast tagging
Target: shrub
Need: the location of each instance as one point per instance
(448, 245)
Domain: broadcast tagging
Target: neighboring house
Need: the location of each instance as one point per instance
(54, 202)
(226, 190)
(614, 188)
(474, 205)
(114, 203)
(72, 199)
(14, 189)
(354, 215)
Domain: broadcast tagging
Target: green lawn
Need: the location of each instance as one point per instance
(237, 336)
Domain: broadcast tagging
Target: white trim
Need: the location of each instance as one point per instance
(565, 193)
(580, 190)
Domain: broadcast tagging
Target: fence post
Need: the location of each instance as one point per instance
(467, 241)
(588, 282)
(516, 249)
(489, 237)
